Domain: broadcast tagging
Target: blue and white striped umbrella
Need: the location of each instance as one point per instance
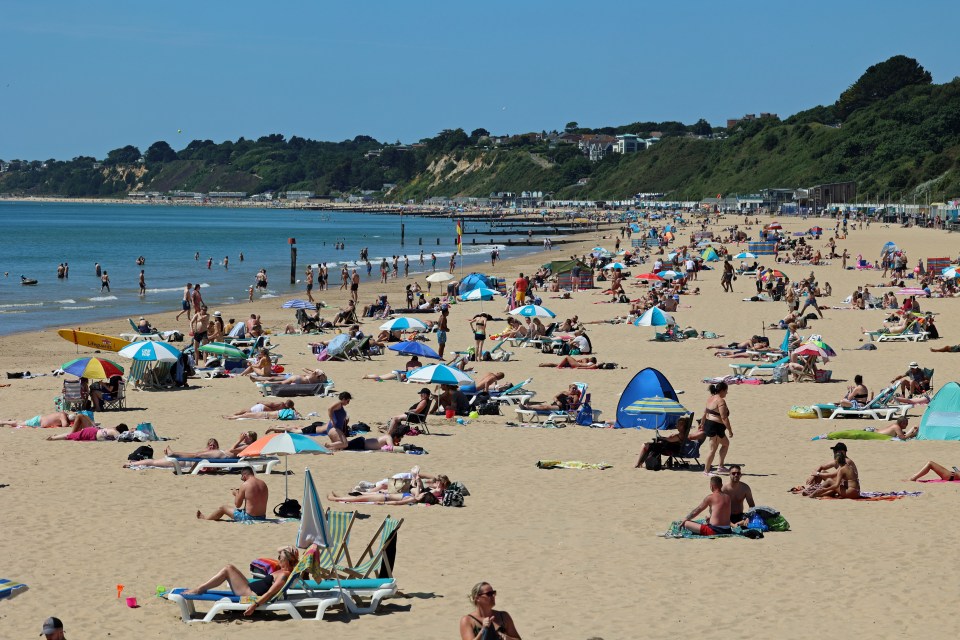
(744, 255)
(439, 374)
(669, 274)
(533, 311)
(480, 293)
(150, 351)
(403, 324)
(654, 317)
(296, 303)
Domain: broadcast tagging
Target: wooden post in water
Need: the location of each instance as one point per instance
(293, 259)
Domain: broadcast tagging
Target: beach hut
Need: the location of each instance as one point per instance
(710, 255)
(941, 420)
(648, 383)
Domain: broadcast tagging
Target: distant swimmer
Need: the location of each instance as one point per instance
(241, 256)
(143, 284)
(226, 262)
(210, 262)
(196, 256)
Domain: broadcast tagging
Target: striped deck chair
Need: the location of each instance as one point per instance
(10, 588)
(136, 372)
(377, 561)
(339, 524)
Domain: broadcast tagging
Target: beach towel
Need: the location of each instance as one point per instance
(539, 425)
(865, 496)
(857, 434)
(677, 530)
(10, 588)
(571, 464)
(940, 480)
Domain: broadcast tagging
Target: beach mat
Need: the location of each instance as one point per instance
(877, 496)
(571, 464)
(940, 480)
(677, 531)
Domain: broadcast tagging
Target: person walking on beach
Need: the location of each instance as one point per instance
(383, 270)
(369, 268)
(355, 286)
(453, 262)
(105, 282)
(406, 266)
(185, 303)
(200, 324)
(396, 266)
(143, 284)
(421, 258)
(196, 299)
(716, 425)
(309, 283)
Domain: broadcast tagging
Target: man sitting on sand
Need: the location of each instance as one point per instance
(249, 501)
(719, 504)
(52, 420)
(91, 434)
(738, 492)
(212, 452)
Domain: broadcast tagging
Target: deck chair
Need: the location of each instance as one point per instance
(196, 466)
(547, 335)
(418, 420)
(511, 395)
(880, 408)
(360, 351)
(753, 368)
(287, 600)
(73, 397)
(911, 333)
(497, 352)
(378, 556)
(115, 401)
(689, 453)
(339, 524)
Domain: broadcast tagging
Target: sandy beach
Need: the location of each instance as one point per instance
(572, 553)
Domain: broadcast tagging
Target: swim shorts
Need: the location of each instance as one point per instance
(441, 337)
(286, 414)
(200, 337)
(354, 287)
(714, 530)
(185, 305)
(239, 515)
(33, 422)
(955, 348)
(357, 444)
(309, 287)
(258, 408)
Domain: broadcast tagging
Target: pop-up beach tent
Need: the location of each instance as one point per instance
(474, 281)
(649, 383)
(563, 269)
(710, 255)
(941, 420)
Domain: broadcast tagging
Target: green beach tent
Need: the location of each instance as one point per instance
(709, 255)
(941, 420)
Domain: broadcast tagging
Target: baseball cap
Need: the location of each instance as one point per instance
(914, 365)
(50, 625)
(424, 390)
(839, 447)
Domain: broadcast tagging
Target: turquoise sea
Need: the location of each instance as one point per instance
(42, 235)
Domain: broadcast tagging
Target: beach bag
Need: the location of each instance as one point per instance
(780, 373)
(144, 452)
(777, 523)
(757, 522)
(823, 375)
(653, 462)
(452, 497)
(323, 355)
(289, 508)
(147, 428)
(489, 409)
(585, 415)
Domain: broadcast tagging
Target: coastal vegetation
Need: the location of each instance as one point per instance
(892, 131)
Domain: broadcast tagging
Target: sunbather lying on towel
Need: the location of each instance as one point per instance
(91, 434)
(309, 376)
(52, 420)
(212, 452)
(263, 588)
(947, 475)
(569, 362)
(261, 412)
(412, 364)
(262, 407)
(418, 493)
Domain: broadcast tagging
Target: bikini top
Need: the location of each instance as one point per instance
(494, 629)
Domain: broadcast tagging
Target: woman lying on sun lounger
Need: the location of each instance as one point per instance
(212, 452)
(262, 589)
(412, 365)
(309, 376)
(418, 493)
(947, 475)
(265, 406)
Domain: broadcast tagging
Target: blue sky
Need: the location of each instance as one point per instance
(82, 78)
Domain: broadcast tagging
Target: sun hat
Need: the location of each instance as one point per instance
(914, 365)
(217, 314)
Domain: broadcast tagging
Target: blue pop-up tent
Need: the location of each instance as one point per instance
(474, 281)
(648, 383)
(941, 420)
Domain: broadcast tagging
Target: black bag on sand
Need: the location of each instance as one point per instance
(289, 508)
(144, 452)
(653, 462)
(489, 409)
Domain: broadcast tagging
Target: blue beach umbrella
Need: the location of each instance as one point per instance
(439, 374)
(296, 303)
(414, 348)
(151, 351)
(654, 317)
(403, 324)
(615, 265)
(744, 255)
(533, 311)
(670, 275)
(480, 293)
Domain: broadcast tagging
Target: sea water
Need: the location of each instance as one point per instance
(41, 235)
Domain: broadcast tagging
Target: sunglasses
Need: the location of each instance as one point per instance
(487, 593)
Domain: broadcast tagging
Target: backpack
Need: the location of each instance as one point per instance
(653, 462)
(289, 508)
(144, 452)
(489, 409)
(452, 497)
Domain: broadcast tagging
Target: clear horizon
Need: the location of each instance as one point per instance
(86, 79)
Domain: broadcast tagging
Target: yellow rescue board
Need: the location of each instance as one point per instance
(93, 340)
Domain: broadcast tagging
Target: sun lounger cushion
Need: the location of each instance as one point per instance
(293, 390)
